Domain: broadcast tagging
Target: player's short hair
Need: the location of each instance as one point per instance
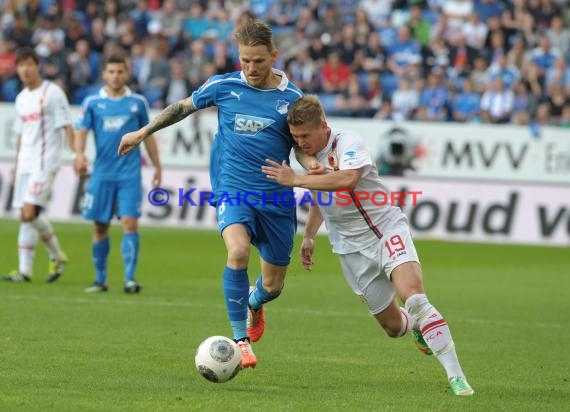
(255, 33)
(26, 53)
(115, 59)
(307, 109)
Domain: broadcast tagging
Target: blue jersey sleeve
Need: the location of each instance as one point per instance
(85, 120)
(206, 95)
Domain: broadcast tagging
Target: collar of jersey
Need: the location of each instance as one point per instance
(284, 80)
(103, 93)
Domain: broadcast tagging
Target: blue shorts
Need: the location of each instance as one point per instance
(105, 197)
(271, 227)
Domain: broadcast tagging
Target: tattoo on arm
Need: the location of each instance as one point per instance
(172, 114)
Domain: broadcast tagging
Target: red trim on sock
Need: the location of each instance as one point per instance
(430, 326)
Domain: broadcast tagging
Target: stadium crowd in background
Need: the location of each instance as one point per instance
(490, 61)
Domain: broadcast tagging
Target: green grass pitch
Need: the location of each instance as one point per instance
(63, 350)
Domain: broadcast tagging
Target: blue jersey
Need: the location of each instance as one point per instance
(252, 127)
(110, 118)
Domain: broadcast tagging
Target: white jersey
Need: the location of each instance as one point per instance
(354, 225)
(42, 114)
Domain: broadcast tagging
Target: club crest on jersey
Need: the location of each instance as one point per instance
(134, 108)
(282, 106)
(250, 125)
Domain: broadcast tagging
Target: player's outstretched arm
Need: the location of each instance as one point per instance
(152, 149)
(172, 114)
(341, 179)
(314, 222)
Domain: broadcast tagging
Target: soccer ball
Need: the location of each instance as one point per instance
(218, 359)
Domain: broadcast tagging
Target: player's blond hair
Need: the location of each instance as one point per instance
(307, 109)
(255, 33)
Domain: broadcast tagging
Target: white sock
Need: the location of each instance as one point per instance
(407, 322)
(47, 235)
(436, 333)
(27, 239)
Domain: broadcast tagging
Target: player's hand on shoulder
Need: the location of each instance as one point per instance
(129, 141)
(316, 168)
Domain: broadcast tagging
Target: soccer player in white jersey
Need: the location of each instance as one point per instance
(373, 241)
(43, 117)
(252, 126)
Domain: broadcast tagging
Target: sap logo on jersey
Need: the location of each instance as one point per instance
(114, 123)
(250, 125)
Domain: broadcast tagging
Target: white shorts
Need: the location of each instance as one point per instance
(34, 188)
(368, 271)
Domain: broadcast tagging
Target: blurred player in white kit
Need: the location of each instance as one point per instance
(42, 117)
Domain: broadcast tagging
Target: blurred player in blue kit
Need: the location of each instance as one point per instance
(252, 126)
(115, 183)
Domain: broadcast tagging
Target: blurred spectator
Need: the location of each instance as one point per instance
(559, 36)
(543, 11)
(466, 104)
(222, 60)
(420, 28)
(556, 101)
(362, 24)
(18, 33)
(434, 98)
(49, 35)
(113, 19)
(497, 103)
(522, 104)
(283, 16)
(374, 58)
(141, 17)
(378, 11)
(154, 73)
(349, 50)
(518, 53)
(405, 101)
(304, 72)
(475, 32)
(196, 24)
(457, 11)
(501, 68)
(334, 74)
(461, 56)
(84, 70)
(558, 75)
(98, 38)
(220, 25)
(487, 8)
(352, 102)
(401, 51)
(168, 23)
(543, 55)
(178, 87)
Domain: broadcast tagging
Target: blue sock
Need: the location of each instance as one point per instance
(236, 289)
(259, 296)
(100, 251)
(130, 252)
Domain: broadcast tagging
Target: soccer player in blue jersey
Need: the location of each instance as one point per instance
(252, 126)
(115, 183)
